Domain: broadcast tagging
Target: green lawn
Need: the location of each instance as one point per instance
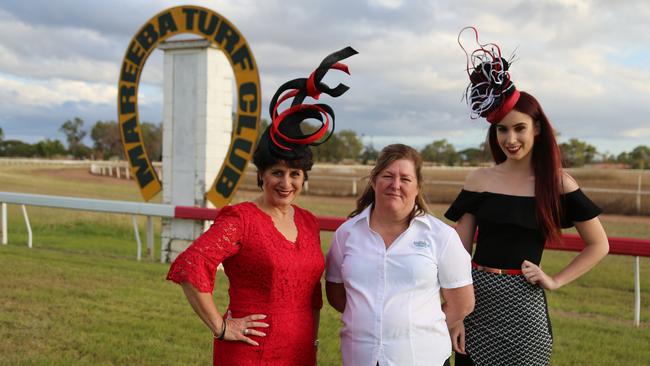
(79, 297)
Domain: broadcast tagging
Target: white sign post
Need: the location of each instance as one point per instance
(197, 129)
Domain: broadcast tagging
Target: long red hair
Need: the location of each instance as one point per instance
(546, 161)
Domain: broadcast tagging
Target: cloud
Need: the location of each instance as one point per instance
(586, 61)
(638, 133)
(388, 4)
(53, 92)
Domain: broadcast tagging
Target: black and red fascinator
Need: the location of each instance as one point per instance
(283, 139)
(490, 93)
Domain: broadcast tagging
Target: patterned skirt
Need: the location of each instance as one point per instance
(510, 323)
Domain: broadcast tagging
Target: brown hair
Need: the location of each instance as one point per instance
(387, 156)
(546, 163)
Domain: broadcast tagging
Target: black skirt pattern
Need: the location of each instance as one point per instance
(510, 323)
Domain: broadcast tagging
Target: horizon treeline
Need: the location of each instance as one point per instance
(342, 146)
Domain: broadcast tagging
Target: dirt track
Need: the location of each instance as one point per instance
(82, 174)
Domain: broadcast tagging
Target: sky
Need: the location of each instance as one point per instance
(587, 62)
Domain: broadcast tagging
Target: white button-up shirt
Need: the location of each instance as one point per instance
(393, 314)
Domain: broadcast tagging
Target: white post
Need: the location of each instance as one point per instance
(164, 251)
(637, 292)
(127, 172)
(117, 170)
(150, 237)
(137, 236)
(29, 227)
(197, 126)
(4, 223)
(638, 195)
(305, 188)
(354, 187)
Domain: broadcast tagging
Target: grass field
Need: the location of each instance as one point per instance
(80, 298)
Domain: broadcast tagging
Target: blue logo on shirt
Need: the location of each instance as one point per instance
(421, 244)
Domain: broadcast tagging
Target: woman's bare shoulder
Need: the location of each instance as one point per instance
(475, 180)
(568, 184)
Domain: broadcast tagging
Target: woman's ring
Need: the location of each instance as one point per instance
(245, 331)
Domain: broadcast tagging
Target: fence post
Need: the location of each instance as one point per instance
(137, 236)
(29, 227)
(305, 188)
(4, 223)
(638, 194)
(117, 170)
(354, 187)
(637, 292)
(150, 237)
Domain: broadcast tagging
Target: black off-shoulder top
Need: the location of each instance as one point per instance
(508, 231)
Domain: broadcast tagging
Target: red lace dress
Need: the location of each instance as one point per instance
(268, 275)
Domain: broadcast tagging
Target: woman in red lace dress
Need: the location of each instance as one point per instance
(270, 248)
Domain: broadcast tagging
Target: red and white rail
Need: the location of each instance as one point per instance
(571, 242)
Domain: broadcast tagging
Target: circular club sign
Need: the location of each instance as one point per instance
(218, 30)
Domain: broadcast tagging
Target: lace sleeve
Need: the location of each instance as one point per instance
(198, 263)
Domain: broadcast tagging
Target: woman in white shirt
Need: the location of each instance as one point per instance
(387, 266)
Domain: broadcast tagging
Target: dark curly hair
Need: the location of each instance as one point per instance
(263, 161)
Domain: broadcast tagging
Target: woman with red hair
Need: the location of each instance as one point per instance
(517, 205)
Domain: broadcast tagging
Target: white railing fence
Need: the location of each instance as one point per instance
(149, 210)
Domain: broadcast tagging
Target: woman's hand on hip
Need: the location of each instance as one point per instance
(534, 274)
(239, 329)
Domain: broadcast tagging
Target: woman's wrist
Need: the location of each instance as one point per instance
(555, 283)
(221, 334)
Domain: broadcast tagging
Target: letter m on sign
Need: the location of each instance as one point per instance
(143, 172)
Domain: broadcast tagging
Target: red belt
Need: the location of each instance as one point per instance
(512, 272)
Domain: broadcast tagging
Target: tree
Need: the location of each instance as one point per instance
(342, 145)
(49, 148)
(16, 148)
(152, 136)
(577, 153)
(639, 158)
(352, 145)
(331, 151)
(2, 134)
(441, 152)
(623, 158)
(74, 134)
(369, 154)
(606, 157)
(106, 137)
(474, 156)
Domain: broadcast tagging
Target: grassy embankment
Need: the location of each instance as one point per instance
(80, 298)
